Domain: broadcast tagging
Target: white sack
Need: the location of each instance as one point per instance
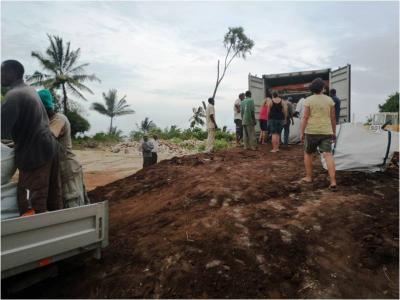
(7, 163)
(294, 132)
(360, 149)
(9, 204)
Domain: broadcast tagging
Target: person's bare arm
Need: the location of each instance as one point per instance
(237, 106)
(333, 122)
(304, 122)
(285, 111)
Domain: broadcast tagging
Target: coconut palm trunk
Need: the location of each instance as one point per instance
(65, 99)
(111, 124)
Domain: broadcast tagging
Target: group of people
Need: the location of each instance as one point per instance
(50, 178)
(319, 115)
(149, 150)
(275, 115)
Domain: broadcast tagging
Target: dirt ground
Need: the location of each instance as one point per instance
(118, 165)
(234, 225)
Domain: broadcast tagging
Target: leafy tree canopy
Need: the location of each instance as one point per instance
(391, 104)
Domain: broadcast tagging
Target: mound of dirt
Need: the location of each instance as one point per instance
(236, 225)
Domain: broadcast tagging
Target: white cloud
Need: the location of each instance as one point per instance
(163, 55)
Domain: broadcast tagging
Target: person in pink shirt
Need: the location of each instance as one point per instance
(263, 119)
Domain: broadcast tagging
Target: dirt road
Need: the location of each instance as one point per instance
(117, 165)
(233, 225)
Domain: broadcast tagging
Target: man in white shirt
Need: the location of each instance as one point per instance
(238, 118)
(154, 151)
(211, 125)
(300, 108)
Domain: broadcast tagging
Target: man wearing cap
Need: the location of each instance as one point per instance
(24, 120)
(73, 188)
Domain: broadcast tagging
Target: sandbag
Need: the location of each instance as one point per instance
(294, 132)
(359, 149)
(9, 204)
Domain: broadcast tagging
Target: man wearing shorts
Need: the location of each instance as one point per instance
(318, 130)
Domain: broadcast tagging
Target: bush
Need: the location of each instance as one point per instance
(107, 137)
(136, 136)
(194, 133)
(201, 148)
(221, 145)
(176, 140)
(224, 135)
(78, 123)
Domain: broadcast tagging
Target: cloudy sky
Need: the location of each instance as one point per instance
(163, 55)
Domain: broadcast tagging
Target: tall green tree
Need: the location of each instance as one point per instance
(113, 107)
(198, 117)
(78, 123)
(61, 70)
(146, 125)
(237, 44)
(391, 104)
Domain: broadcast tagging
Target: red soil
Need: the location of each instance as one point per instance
(233, 225)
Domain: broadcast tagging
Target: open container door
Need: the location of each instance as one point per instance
(257, 89)
(340, 80)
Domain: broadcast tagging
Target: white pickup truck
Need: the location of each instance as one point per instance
(36, 241)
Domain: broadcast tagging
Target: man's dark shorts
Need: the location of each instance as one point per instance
(314, 141)
(275, 126)
(239, 128)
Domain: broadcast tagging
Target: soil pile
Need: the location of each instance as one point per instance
(234, 225)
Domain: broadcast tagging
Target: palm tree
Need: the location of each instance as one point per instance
(146, 125)
(62, 70)
(113, 108)
(198, 117)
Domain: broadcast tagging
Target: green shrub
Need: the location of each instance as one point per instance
(201, 148)
(78, 123)
(227, 136)
(135, 135)
(176, 140)
(194, 133)
(221, 145)
(106, 137)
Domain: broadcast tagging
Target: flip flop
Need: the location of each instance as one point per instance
(333, 188)
(301, 181)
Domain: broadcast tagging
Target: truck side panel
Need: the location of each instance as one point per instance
(257, 89)
(340, 80)
(40, 238)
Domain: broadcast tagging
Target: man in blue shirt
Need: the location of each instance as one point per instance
(337, 104)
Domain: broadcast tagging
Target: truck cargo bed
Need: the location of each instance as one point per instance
(39, 240)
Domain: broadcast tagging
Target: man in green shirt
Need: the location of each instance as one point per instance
(248, 122)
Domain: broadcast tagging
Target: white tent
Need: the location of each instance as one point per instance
(359, 149)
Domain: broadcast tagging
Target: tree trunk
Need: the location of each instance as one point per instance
(217, 82)
(65, 99)
(111, 125)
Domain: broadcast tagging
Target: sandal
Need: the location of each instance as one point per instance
(333, 188)
(303, 180)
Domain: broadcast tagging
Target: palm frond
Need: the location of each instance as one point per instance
(75, 91)
(100, 108)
